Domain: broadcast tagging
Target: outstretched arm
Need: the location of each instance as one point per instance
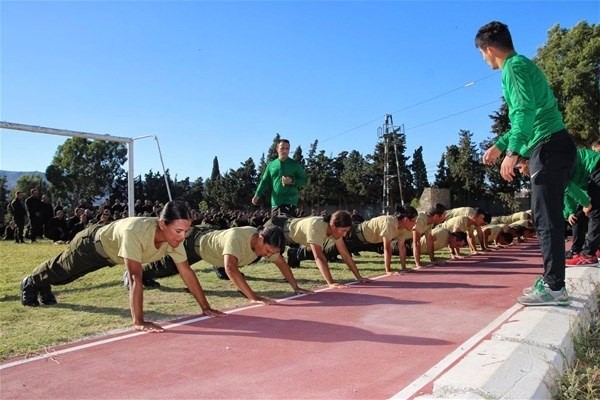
(347, 257)
(417, 248)
(236, 277)
(287, 273)
(193, 284)
(136, 298)
(387, 255)
(323, 266)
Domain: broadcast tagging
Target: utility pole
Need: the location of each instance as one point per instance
(390, 133)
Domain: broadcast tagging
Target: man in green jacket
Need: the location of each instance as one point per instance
(584, 190)
(282, 177)
(539, 134)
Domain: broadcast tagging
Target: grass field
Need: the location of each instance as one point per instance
(98, 302)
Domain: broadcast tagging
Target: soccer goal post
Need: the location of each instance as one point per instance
(95, 136)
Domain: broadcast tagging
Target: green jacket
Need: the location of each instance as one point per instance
(576, 192)
(271, 181)
(532, 107)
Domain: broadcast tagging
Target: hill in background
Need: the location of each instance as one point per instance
(13, 176)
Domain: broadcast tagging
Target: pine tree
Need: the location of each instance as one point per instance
(419, 171)
(441, 176)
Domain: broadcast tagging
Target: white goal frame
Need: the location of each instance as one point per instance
(95, 136)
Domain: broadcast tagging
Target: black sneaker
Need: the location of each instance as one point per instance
(150, 283)
(292, 257)
(47, 297)
(221, 274)
(569, 254)
(29, 294)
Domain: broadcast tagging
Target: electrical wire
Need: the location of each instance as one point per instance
(453, 115)
(466, 85)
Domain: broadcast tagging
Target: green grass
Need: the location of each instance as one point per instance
(98, 303)
(581, 379)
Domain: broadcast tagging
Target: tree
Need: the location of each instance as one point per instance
(299, 157)
(405, 176)
(442, 174)
(194, 196)
(452, 161)
(27, 182)
(272, 152)
(119, 188)
(353, 177)
(316, 169)
(236, 187)
(155, 187)
(337, 190)
(402, 176)
(500, 125)
(179, 189)
(85, 169)
(248, 180)
(211, 185)
(215, 174)
(498, 188)
(466, 170)
(262, 164)
(570, 59)
(419, 171)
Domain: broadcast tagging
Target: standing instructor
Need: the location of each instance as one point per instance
(283, 177)
(538, 133)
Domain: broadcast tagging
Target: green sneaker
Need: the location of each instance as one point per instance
(543, 296)
(536, 284)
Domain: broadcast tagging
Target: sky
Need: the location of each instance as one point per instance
(222, 78)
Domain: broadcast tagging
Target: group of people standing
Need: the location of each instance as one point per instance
(33, 213)
(155, 247)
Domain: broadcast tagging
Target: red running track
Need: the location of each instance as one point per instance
(369, 341)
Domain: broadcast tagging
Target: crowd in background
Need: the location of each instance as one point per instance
(42, 219)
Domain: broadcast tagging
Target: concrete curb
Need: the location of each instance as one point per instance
(529, 350)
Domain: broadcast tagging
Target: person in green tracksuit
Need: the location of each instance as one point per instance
(538, 133)
(283, 177)
(584, 190)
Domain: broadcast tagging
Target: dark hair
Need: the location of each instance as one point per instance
(406, 212)
(518, 229)
(487, 217)
(507, 236)
(174, 210)
(438, 209)
(340, 219)
(283, 141)
(495, 34)
(274, 236)
(460, 236)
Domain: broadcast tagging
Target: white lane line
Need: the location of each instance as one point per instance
(460, 352)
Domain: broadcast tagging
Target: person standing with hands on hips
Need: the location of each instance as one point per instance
(283, 177)
(538, 133)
